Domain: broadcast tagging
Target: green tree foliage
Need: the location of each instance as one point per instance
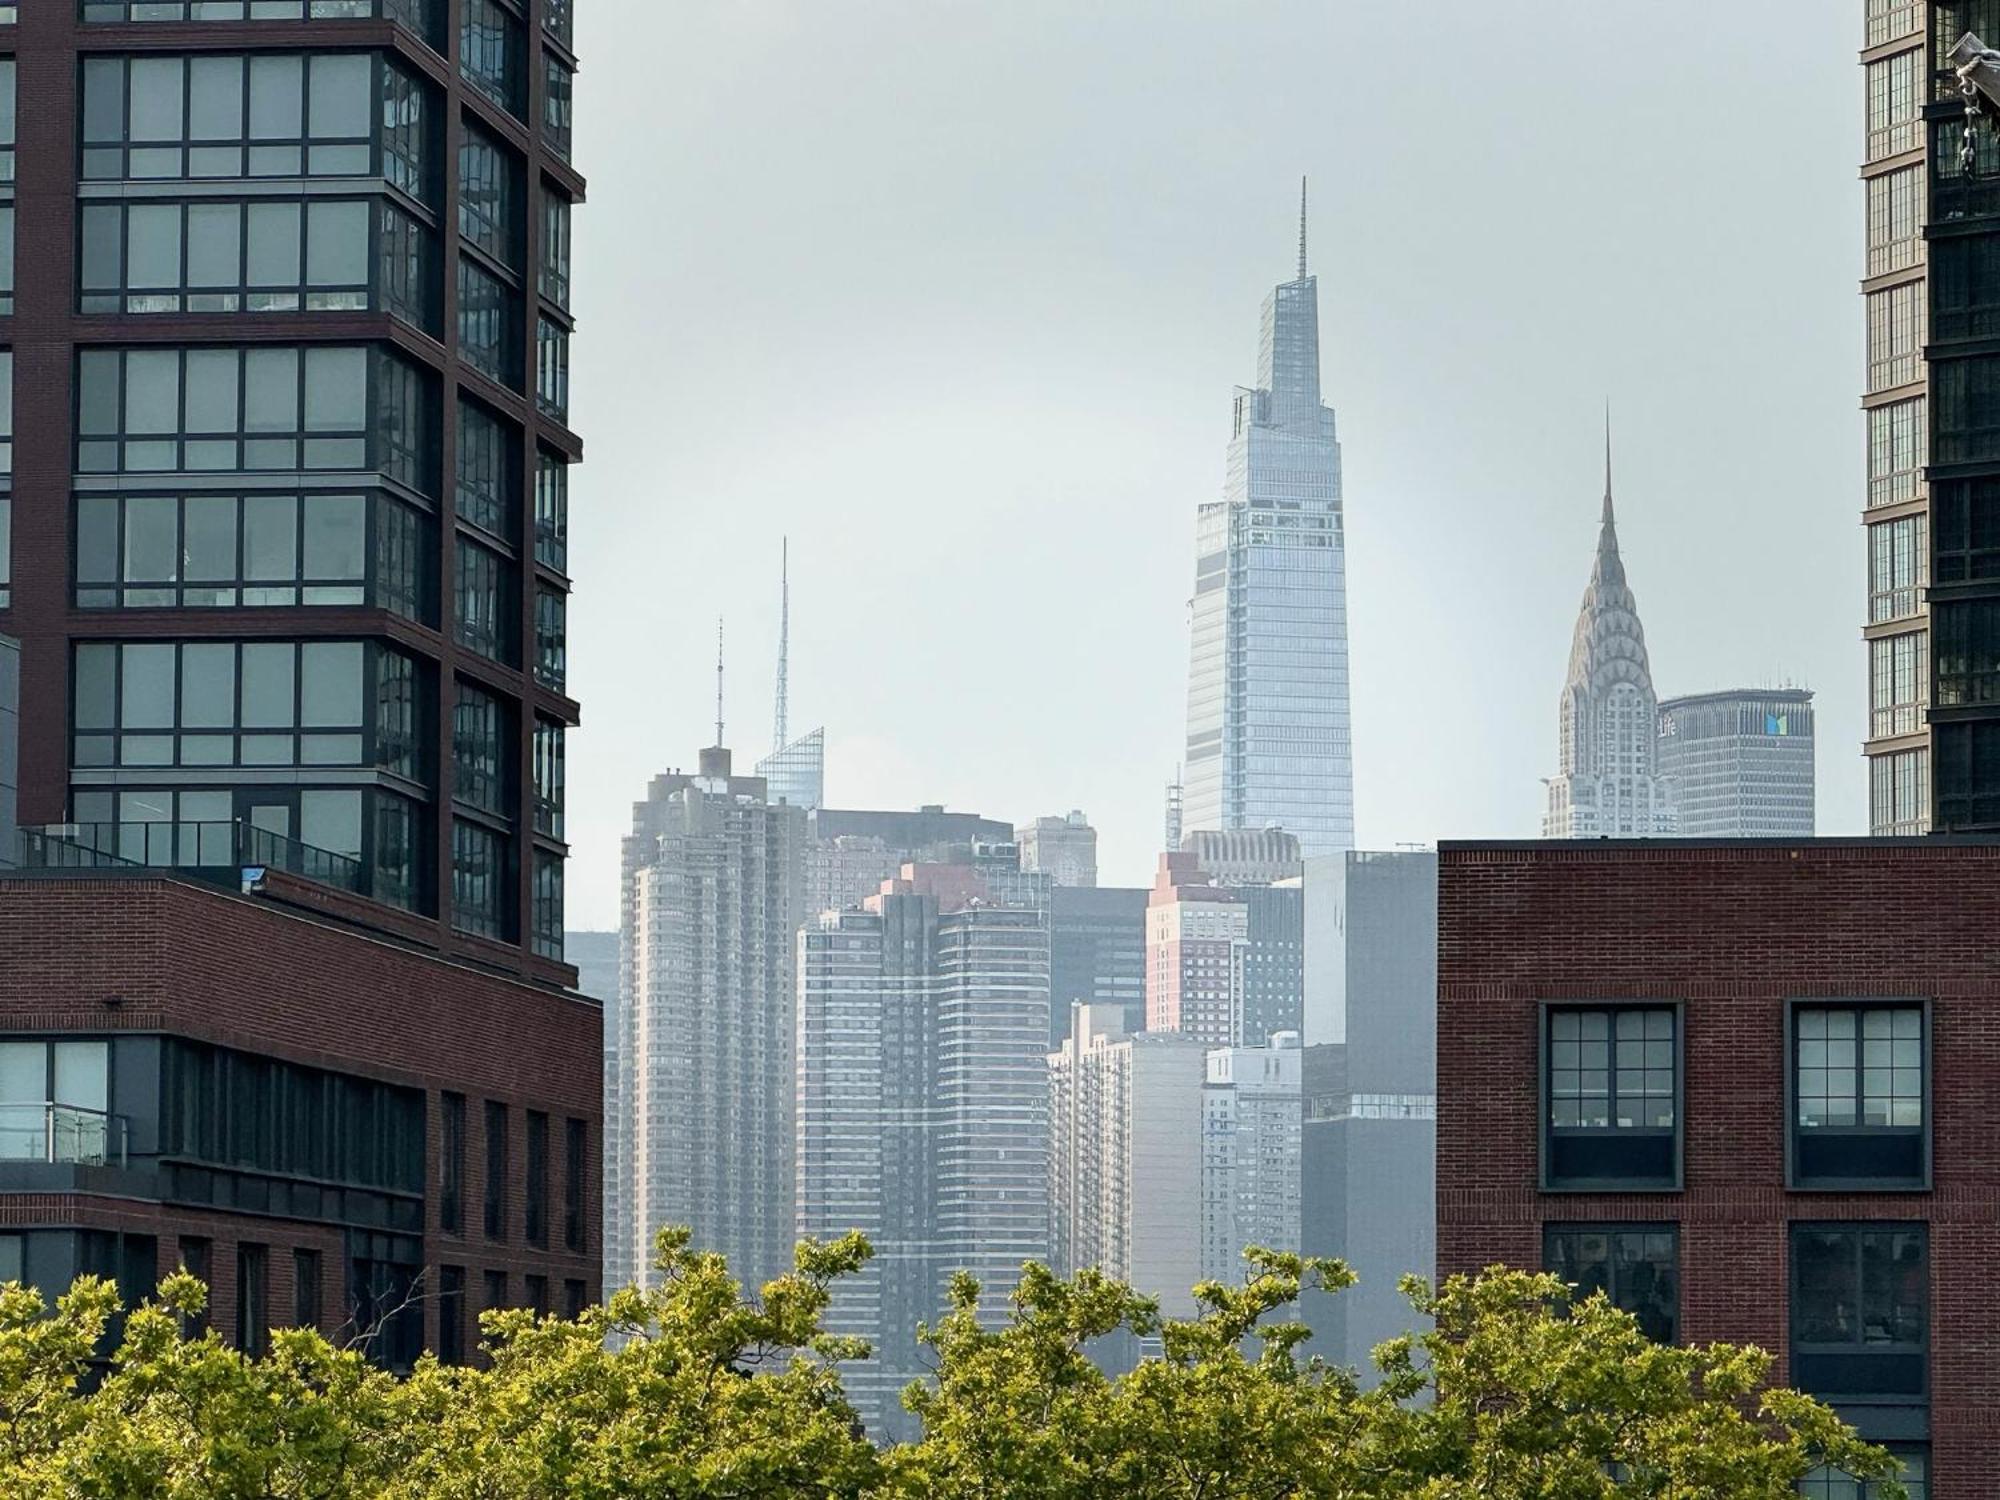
(693, 1391)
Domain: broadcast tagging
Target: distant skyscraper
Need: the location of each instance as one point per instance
(1246, 857)
(1608, 783)
(795, 771)
(1064, 849)
(1250, 1153)
(850, 853)
(1196, 934)
(595, 955)
(1097, 954)
(1740, 763)
(1268, 738)
(699, 1075)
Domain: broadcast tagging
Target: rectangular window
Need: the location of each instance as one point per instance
(1899, 558)
(551, 510)
(1636, 1266)
(1611, 1086)
(558, 19)
(1968, 776)
(485, 618)
(1898, 683)
(551, 638)
(489, 471)
(1860, 1098)
(496, 1291)
(552, 368)
(1860, 1310)
(479, 880)
(489, 195)
(419, 15)
(555, 247)
(196, 1260)
(8, 93)
(253, 1303)
(1968, 652)
(549, 778)
(1965, 523)
(1895, 335)
(451, 1163)
(548, 904)
(451, 1315)
(1900, 794)
(538, 1295)
(488, 320)
(538, 1180)
(496, 1170)
(1967, 417)
(1964, 291)
(1896, 454)
(1824, 1483)
(576, 1296)
(1895, 220)
(491, 52)
(408, 126)
(1957, 194)
(305, 1289)
(1894, 98)
(558, 105)
(1890, 19)
(576, 1164)
(481, 738)
(408, 270)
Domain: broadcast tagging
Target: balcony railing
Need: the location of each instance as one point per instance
(67, 1134)
(196, 847)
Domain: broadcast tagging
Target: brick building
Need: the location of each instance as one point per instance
(1742, 1086)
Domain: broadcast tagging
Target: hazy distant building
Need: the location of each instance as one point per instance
(1272, 986)
(1268, 738)
(1124, 1179)
(1246, 856)
(795, 774)
(1097, 954)
(595, 955)
(1250, 1153)
(1195, 937)
(1064, 849)
(850, 853)
(699, 1073)
(1608, 783)
(1740, 763)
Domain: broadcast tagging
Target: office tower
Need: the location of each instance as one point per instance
(1097, 954)
(595, 956)
(922, 1108)
(1897, 59)
(1740, 763)
(1195, 937)
(1267, 726)
(1607, 783)
(699, 1066)
(1262, 856)
(1370, 1085)
(850, 853)
(1251, 1147)
(1064, 849)
(1698, 1079)
(284, 549)
(1124, 1156)
(1273, 983)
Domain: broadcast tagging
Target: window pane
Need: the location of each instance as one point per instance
(275, 106)
(208, 686)
(146, 687)
(336, 390)
(330, 681)
(340, 96)
(268, 686)
(337, 247)
(156, 98)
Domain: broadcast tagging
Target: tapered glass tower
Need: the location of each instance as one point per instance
(1268, 738)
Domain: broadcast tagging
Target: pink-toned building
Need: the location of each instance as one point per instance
(1196, 934)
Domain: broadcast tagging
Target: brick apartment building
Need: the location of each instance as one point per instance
(1745, 1086)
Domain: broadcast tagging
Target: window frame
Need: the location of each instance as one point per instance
(1547, 1180)
(1795, 1346)
(1668, 1227)
(1795, 1180)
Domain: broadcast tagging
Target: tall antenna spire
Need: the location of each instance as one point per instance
(779, 732)
(1302, 229)
(718, 682)
(1607, 458)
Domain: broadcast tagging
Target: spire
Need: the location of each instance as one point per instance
(779, 715)
(1302, 229)
(1607, 460)
(718, 682)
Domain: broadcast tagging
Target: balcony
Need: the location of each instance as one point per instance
(219, 852)
(61, 1135)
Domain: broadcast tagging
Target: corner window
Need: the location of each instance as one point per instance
(486, 602)
(558, 105)
(549, 779)
(551, 638)
(479, 879)
(1860, 1095)
(1636, 1266)
(491, 53)
(548, 904)
(481, 742)
(1611, 1097)
(551, 510)
(552, 368)
(1860, 1310)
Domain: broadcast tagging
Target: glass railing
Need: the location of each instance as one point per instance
(64, 1133)
(230, 847)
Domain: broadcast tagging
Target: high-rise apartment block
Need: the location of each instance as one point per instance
(1251, 1153)
(1740, 763)
(1268, 735)
(699, 1054)
(1064, 849)
(1196, 935)
(850, 852)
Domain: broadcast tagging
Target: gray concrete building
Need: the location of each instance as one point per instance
(1251, 1150)
(1097, 954)
(1741, 763)
(595, 957)
(1064, 849)
(850, 852)
(1245, 856)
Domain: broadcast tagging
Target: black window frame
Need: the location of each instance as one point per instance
(1552, 1231)
(576, 1166)
(307, 1291)
(451, 1315)
(494, 1222)
(1548, 1135)
(451, 1164)
(535, 1185)
(1809, 1359)
(253, 1298)
(1799, 1152)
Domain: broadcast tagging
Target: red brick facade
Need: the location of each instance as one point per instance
(105, 953)
(1733, 932)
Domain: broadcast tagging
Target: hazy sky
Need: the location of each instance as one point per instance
(955, 295)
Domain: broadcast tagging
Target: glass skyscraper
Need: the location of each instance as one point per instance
(1268, 738)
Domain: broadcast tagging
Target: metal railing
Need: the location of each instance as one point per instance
(63, 1133)
(199, 847)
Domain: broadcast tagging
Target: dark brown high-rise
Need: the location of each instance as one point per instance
(290, 346)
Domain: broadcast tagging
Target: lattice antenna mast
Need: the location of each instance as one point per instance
(1302, 229)
(780, 730)
(718, 682)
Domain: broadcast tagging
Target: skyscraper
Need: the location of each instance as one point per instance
(1251, 1145)
(1195, 937)
(795, 770)
(1268, 738)
(1608, 780)
(1740, 763)
(1064, 849)
(1097, 954)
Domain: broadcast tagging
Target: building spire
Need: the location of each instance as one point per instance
(718, 682)
(1302, 229)
(781, 712)
(1607, 460)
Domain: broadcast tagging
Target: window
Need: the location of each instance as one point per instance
(1893, 103)
(8, 104)
(538, 1179)
(409, 263)
(6, 257)
(548, 904)
(1895, 220)
(395, 871)
(538, 1295)
(1964, 296)
(1965, 524)
(480, 740)
(486, 602)
(1967, 419)
(1859, 1095)
(1898, 567)
(6, 475)
(489, 195)
(1968, 776)
(496, 1172)
(408, 126)
(487, 319)
(1968, 652)
(1896, 457)
(479, 883)
(488, 469)
(555, 247)
(552, 368)
(1895, 335)
(576, 1296)
(75, 1078)
(551, 638)
(211, 115)
(451, 1315)
(551, 510)
(1899, 786)
(451, 1163)
(490, 53)
(1889, 19)
(419, 15)
(558, 105)
(1860, 1310)
(1956, 194)
(576, 1163)
(1637, 1267)
(1898, 683)
(1611, 1086)
(1825, 1483)
(549, 776)
(405, 410)
(305, 1289)
(558, 19)
(496, 1290)
(196, 1262)
(253, 1301)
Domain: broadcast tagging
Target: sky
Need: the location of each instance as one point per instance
(954, 295)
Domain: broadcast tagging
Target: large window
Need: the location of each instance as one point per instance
(555, 247)
(1889, 19)
(549, 778)
(576, 1149)
(451, 1163)
(485, 619)
(1965, 522)
(53, 1102)
(305, 1289)
(1967, 633)
(559, 19)
(1898, 567)
(1899, 793)
(408, 130)
(551, 638)
(1895, 335)
(547, 899)
(1824, 1483)
(1966, 422)
(551, 510)
(489, 472)
(1895, 220)
(552, 368)
(489, 195)
(558, 105)
(1965, 290)
(488, 323)
(1894, 98)
(253, 1299)
(1968, 775)
(1896, 455)
(1636, 1266)
(7, 126)
(1898, 683)
(537, 1185)
(451, 1315)
(1611, 1089)
(496, 1174)
(480, 885)
(482, 742)
(1860, 1096)
(492, 54)
(1860, 1310)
